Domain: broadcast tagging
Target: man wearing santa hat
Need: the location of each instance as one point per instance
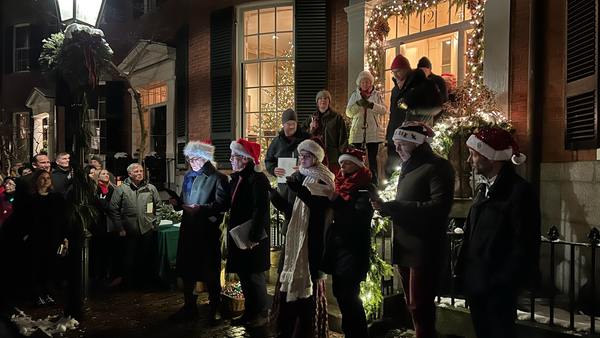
(419, 214)
(204, 199)
(249, 203)
(502, 235)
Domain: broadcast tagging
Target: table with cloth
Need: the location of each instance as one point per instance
(168, 237)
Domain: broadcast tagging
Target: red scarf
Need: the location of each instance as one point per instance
(345, 185)
(365, 94)
(103, 188)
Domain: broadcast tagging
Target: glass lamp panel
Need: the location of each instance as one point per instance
(66, 9)
(285, 18)
(428, 19)
(251, 75)
(267, 20)
(392, 20)
(88, 11)
(251, 22)
(267, 74)
(252, 100)
(284, 44)
(251, 47)
(266, 48)
(443, 14)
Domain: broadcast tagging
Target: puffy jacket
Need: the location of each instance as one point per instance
(129, 207)
(375, 127)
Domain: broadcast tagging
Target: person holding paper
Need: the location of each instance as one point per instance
(301, 300)
(249, 203)
(348, 239)
(205, 197)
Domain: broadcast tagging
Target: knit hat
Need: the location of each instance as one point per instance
(247, 149)
(353, 155)
(415, 132)
(497, 145)
(364, 74)
(424, 63)
(400, 62)
(289, 115)
(312, 147)
(323, 93)
(199, 149)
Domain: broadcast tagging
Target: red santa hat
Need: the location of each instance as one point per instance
(497, 145)
(247, 149)
(353, 155)
(415, 132)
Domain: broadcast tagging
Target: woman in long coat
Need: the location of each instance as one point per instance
(204, 199)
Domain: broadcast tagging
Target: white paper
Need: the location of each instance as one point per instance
(317, 189)
(150, 208)
(287, 163)
(241, 235)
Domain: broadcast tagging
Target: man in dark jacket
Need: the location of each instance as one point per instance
(249, 207)
(420, 214)
(425, 65)
(330, 127)
(500, 252)
(204, 198)
(285, 146)
(62, 174)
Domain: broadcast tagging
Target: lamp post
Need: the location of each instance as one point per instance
(85, 12)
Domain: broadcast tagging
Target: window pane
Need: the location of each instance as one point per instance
(251, 47)
(267, 20)
(252, 100)
(443, 14)
(390, 54)
(252, 125)
(267, 74)
(284, 44)
(267, 46)
(285, 18)
(467, 13)
(446, 56)
(428, 19)
(270, 124)
(251, 22)
(392, 22)
(251, 75)
(442, 51)
(285, 98)
(414, 23)
(22, 37)
(402, 27)
(285, 72)
(267, 99)
(389, 83)
(457, 14)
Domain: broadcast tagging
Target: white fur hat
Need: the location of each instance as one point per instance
(199, 149)
(364, 74)
(313, 148)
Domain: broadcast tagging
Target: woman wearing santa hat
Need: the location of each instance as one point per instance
(249, 203)
(500, 252)
(348, 239)
(302, 300)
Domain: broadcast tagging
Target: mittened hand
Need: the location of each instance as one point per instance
(370, 105)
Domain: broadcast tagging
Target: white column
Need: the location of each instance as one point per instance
(356, 13)
(497, 48)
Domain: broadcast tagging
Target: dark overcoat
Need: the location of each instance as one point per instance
(250, 201)
(420, 211)
(502, 236)
(199, 248)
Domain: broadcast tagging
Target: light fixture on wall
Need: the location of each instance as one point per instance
(86, 12)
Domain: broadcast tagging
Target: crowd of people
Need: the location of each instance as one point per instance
(328, 197)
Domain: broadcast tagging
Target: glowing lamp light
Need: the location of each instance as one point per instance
(86, 12)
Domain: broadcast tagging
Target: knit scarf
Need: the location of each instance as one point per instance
(295, 276)
(345, 185)
(103, 188)
(188, 180)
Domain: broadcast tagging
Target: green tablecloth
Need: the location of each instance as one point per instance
(168, 236)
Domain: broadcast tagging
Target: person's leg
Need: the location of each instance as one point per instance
(189, 310)
(288, 317)
(214, 292)
(422, 295)
(501, 314)
(247, 290)
(259, 283)
(479, 316)
(372, 150)
(347, 293)
(130, 244)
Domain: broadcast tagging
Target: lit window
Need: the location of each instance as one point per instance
(153, 95)
(268, 70)
(21, 48)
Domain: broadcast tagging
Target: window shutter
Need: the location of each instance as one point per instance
(221, 84)
(582, 125)
(310, 29)
(181, 91)
(8, 49)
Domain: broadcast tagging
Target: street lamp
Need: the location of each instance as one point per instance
(86, 12)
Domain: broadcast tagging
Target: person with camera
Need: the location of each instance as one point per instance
(419, 216)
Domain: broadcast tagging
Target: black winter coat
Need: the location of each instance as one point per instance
(348, 239)
(199, 247)
(250, 201)
(502, 236)
(335, 134)
(420, 212)
(282, 146)
(318, 206)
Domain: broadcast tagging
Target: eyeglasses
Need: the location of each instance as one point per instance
(193, 159)
(303, 156)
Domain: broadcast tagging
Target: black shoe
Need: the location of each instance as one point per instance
(186, 313)
(214, 319)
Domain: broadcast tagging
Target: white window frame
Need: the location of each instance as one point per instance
(15, 49)
(239, 57)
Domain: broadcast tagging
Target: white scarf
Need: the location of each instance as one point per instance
(295, 276)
